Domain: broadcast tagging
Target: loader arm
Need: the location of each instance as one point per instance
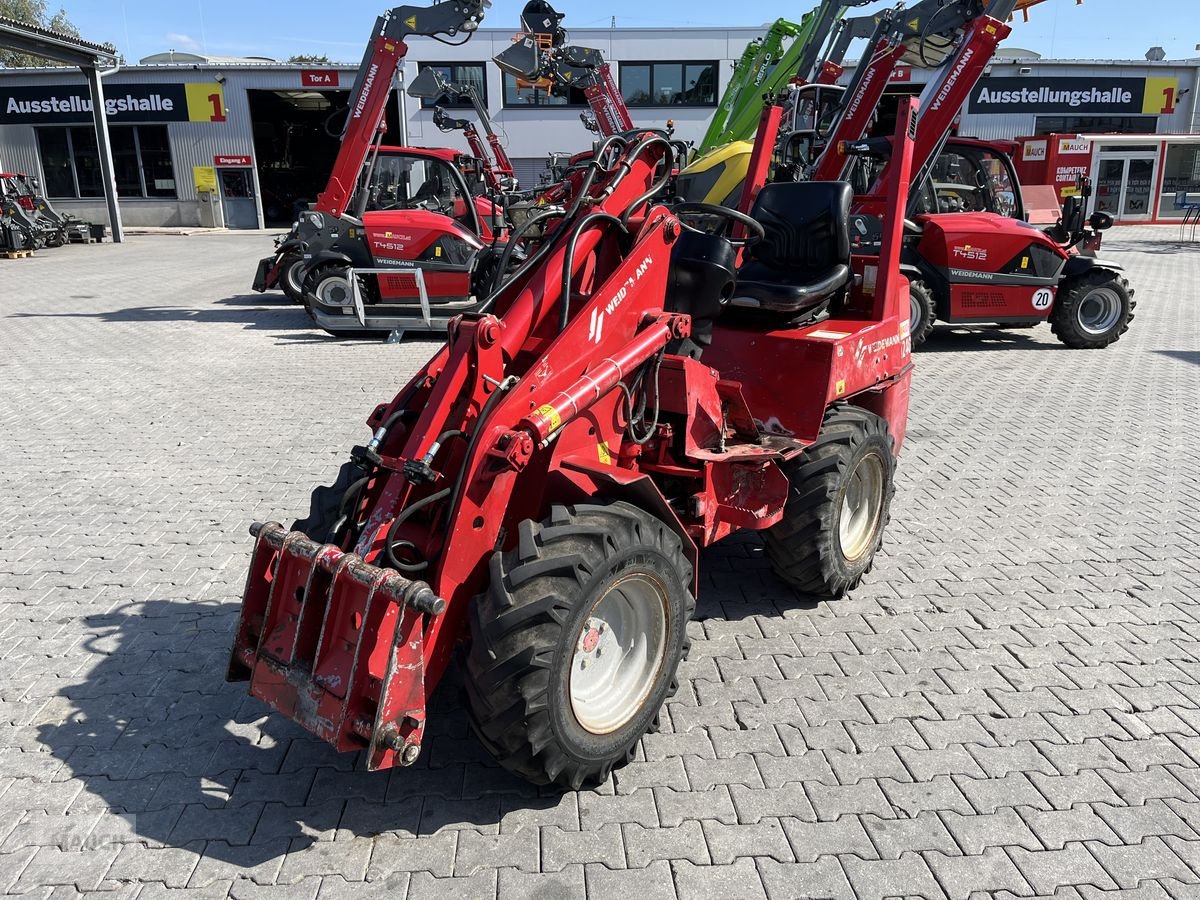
(748, 73)
(373, 85)
(540, 56)
(960, 36)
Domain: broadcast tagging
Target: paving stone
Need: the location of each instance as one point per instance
(883, 878)
(812, 840)
(821, 880)
(727, 843)
(1003, 828)
(655, 882)
(1056, 828)
(988, 873)
(348, 859)
(481, 886)
(173, 866)
(566, 849)
(1048, 870)
(569, 884)
(221, 862)
(895, 837)
(435, 855)
(1129, 865)
(482, 852)
(738, 881)
(645, 846)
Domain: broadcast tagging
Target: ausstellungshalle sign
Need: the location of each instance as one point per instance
(71, 103)
(1095, 96)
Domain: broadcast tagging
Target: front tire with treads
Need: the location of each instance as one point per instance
(839, 499)
(576, 642)
(922, 311)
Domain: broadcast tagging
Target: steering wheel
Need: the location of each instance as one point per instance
(754, 228)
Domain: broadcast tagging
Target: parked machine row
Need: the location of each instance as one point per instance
(27, 220)
(631, 373)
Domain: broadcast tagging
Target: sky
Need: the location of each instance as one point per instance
(1099, 29)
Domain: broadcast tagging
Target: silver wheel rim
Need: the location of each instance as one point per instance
(334, 290)
(1099, 310)
(291, 273)
(861, 506)
(914, 313)
(618, 654)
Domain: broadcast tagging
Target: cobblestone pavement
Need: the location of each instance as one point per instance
(1008, 707)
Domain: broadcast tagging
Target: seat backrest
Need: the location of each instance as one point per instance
(807, 225)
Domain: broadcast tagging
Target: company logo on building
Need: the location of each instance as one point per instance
(1067, 146)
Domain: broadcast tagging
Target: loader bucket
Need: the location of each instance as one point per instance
(335, 644)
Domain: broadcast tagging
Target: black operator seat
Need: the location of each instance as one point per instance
(803, 263)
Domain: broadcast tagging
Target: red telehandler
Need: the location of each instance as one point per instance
(399, 239)
(539, 493)
(978, 267)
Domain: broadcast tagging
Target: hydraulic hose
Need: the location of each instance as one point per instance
(569, 260)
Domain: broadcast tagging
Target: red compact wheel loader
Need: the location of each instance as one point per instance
(538, 495)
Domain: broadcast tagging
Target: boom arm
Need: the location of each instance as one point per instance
(373, 85)
(429, 85)
(928, 29)
(799, 60)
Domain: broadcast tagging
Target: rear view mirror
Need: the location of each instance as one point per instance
(1101, 221)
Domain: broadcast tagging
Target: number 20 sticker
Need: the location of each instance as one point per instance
(1042, 299)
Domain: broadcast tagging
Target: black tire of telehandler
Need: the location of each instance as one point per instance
(921, 301)
(805, 546)
(314, 277)
(291, 279)
(525, 628)
(1064, 318)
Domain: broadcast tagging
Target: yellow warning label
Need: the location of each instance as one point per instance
(549, 413)
(914, 24)
(604, 453)
(411, 21)
(1024, 262)
(840, 387)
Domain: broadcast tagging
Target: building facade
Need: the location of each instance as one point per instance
(201, 141)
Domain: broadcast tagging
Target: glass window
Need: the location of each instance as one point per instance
(157, 169)
(1096, 124)
(56, 162)
(635, 83)
(473, 74)
(125, 161)
(1181, 173)
(1003, 193)
(515, 95)
(141, 161)
(87, 161)
(669, 83)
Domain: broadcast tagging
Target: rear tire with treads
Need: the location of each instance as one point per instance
(839, 499)
(585, 575)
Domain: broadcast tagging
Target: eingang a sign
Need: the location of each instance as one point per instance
(72, 104)
(1096, 96)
